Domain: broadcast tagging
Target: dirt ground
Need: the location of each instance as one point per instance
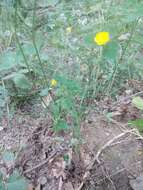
(109, 157)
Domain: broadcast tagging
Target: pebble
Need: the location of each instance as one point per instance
(137, 184)
(43, 180)
(1, 128)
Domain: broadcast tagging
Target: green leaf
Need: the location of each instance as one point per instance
(89, 39)
(66, 157)
(55, 109)
(16, 182)
(138, 123)
(21, 81)
(28, 49)
(1, 185)
(19, 184)
(135, 7)
(60, 126)
(110, 51)
(9, 60)
(138, 102)
(71, 85)
(12, 75)
(44, 92)
(66, 103)
(75, 114)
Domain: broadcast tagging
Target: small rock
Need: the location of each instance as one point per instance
(137, 184)
(68, 186)
(38, 187)
(3, 171)
(124, 36)
(128, 92)
(1, 128)
(43, 180)
(30, 187)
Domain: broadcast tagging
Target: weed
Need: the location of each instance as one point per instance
(68, 51)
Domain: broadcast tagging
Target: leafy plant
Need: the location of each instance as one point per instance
(63, 105)
(138, 102)
(11, 181)
(83, 47)
(3, 100)
(14, 182)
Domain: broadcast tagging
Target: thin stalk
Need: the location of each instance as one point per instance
(22, 52)
(18, 42)
(130, 38)
(121, 58)
(7, 105)
(34, 43)
(112, 79)
(98, 72)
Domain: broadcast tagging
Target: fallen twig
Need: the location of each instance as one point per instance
(41, 164)
(128, 97)
(60, 183)
(96, 158)
(108, 144)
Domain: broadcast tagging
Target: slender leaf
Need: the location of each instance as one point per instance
(138, 123)
(138, 102)
(21, 81)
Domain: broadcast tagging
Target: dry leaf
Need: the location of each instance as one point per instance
(60, 184)
(124, 36)
(38, 187)
(46, 100)
(68, 186)
(30, 187)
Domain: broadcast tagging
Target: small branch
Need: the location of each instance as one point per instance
(41, 164)
(96, 158)
(108, 144)
(7, 104)
(128, 97)
(60, 183)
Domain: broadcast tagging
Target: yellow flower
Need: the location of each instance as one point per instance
(102, 38)
(53, 82)
(68, 30)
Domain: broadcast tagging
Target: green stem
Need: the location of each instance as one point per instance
(98, 72)
(34, 44)
(129, 40)
(22, 52)
(18, 42)
(121, 58)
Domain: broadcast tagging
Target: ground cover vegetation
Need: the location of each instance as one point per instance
(67, 55)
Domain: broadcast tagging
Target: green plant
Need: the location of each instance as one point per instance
(45, 44)
(103, 70)
(63, 104)
(12, 180)
(44, 40)
(138, 102)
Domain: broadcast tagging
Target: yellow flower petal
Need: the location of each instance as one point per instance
(69, 30)
(102, 38)
(53, 82)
